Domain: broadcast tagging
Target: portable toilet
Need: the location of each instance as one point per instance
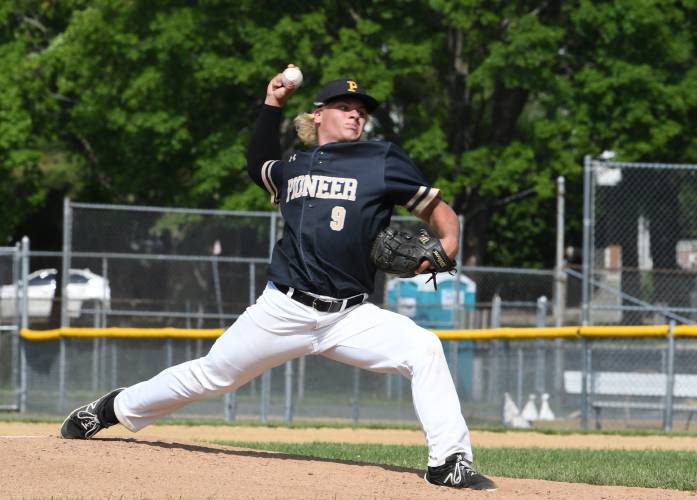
(438, 309)
(417, 299)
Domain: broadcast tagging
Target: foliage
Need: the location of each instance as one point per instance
(20, 187)
(152, 103)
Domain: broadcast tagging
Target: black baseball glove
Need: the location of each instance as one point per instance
(401, 253)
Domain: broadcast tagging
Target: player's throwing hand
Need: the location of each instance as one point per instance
(276, 92)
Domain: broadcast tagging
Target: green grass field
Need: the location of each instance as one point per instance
(648, 469)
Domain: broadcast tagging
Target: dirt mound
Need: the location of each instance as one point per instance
(46, 466)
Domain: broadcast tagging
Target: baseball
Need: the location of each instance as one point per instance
(292, 75)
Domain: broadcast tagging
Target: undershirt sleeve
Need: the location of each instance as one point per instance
(264, 151)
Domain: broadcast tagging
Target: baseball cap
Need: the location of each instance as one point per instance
(345, 88)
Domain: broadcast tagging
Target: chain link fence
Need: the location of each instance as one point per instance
(626, 384)
(640, 258)
(168, 267)
(149, 266)
(637, 383)
(640, 242)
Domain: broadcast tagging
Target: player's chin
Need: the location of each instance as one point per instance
(352, 135)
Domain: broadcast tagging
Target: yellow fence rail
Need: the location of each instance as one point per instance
(485, 334)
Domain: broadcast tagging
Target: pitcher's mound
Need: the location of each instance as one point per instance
(47, 466)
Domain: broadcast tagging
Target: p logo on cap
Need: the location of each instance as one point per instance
(345, 88)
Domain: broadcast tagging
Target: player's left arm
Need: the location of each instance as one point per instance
(444, 222)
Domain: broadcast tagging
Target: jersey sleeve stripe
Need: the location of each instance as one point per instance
(268, 181)
(422, 199)
(419, 193)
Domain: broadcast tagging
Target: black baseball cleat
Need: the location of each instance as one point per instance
(457, 472)
(86, 421)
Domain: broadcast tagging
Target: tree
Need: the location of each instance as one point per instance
(20, 188)
(153, 104)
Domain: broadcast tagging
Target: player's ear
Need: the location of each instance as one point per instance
(317, 114)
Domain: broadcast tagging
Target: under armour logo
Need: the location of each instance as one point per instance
(292, 158)
(352, 86)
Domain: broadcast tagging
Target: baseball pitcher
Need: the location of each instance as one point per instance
(336, 196)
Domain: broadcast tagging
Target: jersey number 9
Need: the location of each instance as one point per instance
(338, 217)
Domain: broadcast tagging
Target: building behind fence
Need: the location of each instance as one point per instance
(194, 269)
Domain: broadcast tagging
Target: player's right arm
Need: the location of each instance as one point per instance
(264, 149)
(406, 186)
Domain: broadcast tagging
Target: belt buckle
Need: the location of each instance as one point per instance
(325, 305)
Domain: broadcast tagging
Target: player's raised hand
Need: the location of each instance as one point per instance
(276, 92)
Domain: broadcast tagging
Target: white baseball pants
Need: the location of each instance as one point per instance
(277, 329)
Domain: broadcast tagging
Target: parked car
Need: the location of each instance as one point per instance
(85, 289)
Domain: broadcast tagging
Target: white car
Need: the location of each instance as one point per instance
(83, 286)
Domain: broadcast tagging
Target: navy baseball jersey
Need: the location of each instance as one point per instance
(334, 199)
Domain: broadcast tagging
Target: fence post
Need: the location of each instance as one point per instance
(230, 406)
(559, 274)
(114, 362)
(265, 395)
(169, 352)
(355, 401)
(541, 317)
(454, 365)
(585, 373)
(24, 324)
(16, 337)
(95, 365)
(587, 246)
(216, 282)
(586, 284)
(105, 309)
(24, 297)
(66, 260)
(61, 374)
(103, 362)
(541, 312)
(97, 315)
(670, 380)
(560, 284)
(289, 391)
(506, 367)
(64, 315)
(301, 377)
(521, 375)
(457, 313)
(97, 321)
(494, 350)
(496, 311)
